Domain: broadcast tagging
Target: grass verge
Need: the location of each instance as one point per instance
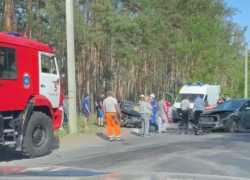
(80, 127)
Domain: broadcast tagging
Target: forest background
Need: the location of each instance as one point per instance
(138, 46)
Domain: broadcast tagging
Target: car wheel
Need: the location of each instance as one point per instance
(38, 136)
(176, 120)
(241, 128)
(231, 126)
(152, 128)
(122, 123)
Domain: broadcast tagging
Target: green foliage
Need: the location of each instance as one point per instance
(145, 46)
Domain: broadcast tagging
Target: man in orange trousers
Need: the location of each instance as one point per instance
(111, 110)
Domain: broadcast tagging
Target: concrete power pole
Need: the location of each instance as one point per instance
(71, 67)
(246, 73)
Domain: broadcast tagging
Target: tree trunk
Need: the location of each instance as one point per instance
(91, 86)
(14, 16)
(29, 17)
(8, 16)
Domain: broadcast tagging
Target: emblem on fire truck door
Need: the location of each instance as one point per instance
(26, 80)
(55, 87)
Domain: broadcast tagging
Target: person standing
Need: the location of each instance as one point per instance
(142, 97)
(162, 119)
(185, 106)
(220, 100)
(145, 108)
(154, 110)
(66, 108)
(86, 110)
(99, 109)
(199, 104)
(167, 107)
(111, 110)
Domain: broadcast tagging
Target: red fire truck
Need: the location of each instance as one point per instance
(30, 95)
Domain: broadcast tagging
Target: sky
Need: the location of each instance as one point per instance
(243, 15)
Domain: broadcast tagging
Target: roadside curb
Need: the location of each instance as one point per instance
(81, 138)
(70, 140)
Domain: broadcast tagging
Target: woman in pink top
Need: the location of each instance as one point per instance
(167, 106)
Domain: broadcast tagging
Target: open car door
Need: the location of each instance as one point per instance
(169, 97)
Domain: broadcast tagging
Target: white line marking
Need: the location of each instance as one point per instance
(58, 169)
(36, 169)
(96, 145)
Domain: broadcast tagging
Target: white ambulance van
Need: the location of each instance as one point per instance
(210, 94)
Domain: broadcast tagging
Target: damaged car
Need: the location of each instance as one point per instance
(231, 116)
(130, 115)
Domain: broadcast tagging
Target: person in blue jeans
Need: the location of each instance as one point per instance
(154, 109)
(99, 109)
(162, 119)
(86, 110)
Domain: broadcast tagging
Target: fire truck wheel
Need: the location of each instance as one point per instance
(38, 136)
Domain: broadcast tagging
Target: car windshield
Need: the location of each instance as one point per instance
(191, 97)
(128, 106)
(231, 105)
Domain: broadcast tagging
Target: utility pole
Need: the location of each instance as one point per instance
(246, 73)
(71, 67)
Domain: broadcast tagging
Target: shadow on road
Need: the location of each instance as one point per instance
(9, 154)
(101, 135)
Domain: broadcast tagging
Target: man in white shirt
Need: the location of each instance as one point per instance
(199, 104)
(111, 110)
(185, 106)
(145, 107)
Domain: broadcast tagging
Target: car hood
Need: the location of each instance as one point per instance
(130, 113)
(216, 111)
(70, 173)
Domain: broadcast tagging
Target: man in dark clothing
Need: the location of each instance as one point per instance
(99, 109)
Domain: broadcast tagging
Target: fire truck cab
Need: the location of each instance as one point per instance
(30, 95)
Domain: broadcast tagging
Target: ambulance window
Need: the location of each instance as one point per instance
(8, 67)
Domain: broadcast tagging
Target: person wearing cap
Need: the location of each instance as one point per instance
(142, 97)
(154, 110)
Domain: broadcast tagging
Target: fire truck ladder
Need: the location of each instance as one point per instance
(7, 132)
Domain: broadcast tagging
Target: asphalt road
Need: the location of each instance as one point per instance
(213, 154)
